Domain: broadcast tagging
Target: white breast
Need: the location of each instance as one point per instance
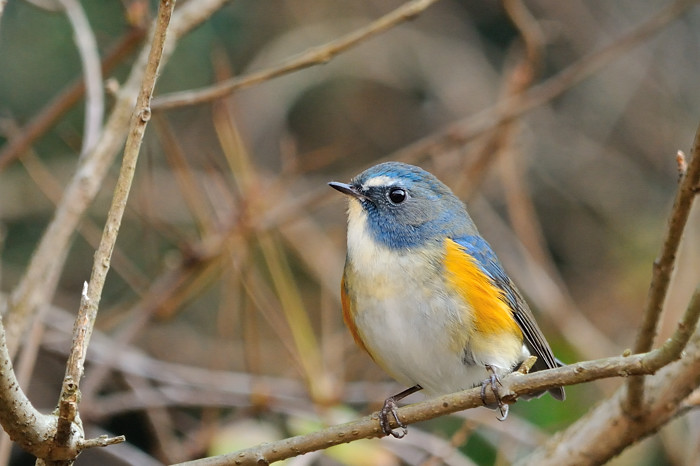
(405, 314)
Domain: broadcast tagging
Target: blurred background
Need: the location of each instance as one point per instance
(220, 326)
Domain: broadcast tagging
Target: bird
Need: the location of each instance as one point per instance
(424, 294)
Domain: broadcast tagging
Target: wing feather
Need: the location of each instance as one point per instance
(482, 253)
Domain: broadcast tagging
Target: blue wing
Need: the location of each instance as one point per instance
(481, 251)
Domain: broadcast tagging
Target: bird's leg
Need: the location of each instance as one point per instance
(390, 407)
(494, 381)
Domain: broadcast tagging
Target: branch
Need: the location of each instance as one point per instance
(368, 427)
(663, 268)
(468, 129)
(514, 385)
(22, 422)
(38, 283)
(607, 429)
(60, 438)
(70, 394)
(314, 56)
(92, 72)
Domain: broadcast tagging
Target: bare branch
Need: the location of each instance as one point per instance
(368, 427)
(49, 114)
(468, 129)
(311, 57)
(92, 72)
(60, 438)
(663, 268)
(23, 423)
(683, 383)
(84, 323)
(103, 441)
(607, 429)
(38, 283)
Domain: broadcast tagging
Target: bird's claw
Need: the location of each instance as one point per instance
(390, 407)
(494, 382)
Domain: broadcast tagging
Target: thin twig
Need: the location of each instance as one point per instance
(92, 72)
(59, 105)
(38, 283)
(663, 269)
(314, 56)
(70, 393)
(468, 129)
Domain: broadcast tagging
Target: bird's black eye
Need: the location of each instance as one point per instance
(397, 195)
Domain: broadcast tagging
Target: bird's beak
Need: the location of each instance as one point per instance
(348, 189)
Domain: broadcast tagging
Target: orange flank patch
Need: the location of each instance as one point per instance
(348, 316)
(491, 313)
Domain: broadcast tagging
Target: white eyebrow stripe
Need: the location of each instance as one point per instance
(381, 180)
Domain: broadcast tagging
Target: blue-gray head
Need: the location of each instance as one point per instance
(404, 206)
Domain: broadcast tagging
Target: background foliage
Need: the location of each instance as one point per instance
(220, 326)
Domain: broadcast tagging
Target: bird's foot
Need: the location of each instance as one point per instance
(390, 407)
(494, 382)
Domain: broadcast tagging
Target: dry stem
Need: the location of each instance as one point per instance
(313, 56)
(92, 292)
(663, 269)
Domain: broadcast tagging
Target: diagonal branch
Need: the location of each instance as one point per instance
(607, 429)
(59, 438)
(663, 269)
(37, 285)
(513, 385)
(368, 427)
(311, 57)
(468, 129)
(70, 395)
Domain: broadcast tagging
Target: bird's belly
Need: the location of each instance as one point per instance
(413, 345)
(417, 328)
(418, 333)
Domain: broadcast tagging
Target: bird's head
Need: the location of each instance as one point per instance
(403, 206)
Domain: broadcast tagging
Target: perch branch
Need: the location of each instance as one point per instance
(513, 385)
(368, 427)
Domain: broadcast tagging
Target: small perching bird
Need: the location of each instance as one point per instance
(424, 294)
